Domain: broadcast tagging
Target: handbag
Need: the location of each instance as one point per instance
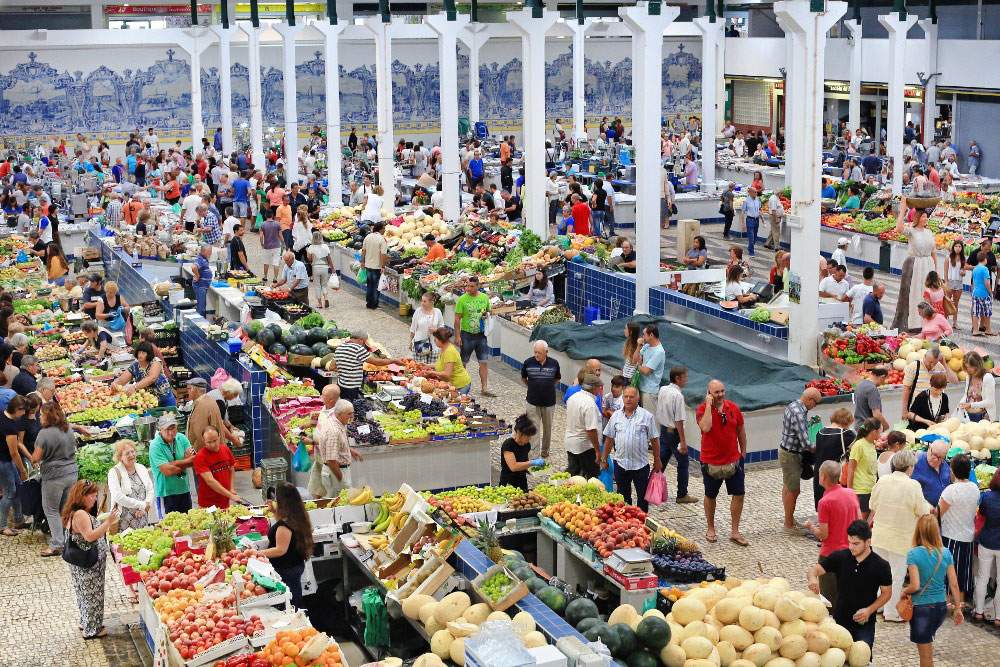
(673, 208)
(905, 605)
(808, 462)
(74, 555)
(843, 459)
(950, 310)
(116, 323)
(720, 472)
(315, 485)
(300, 459)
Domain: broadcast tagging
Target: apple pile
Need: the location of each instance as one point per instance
(176, 604)
(177, 572)
(207, 625)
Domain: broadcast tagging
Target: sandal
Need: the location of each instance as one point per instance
(50, 552)
(978, 617)
(739, 540)
(711, 538)
(103, 632)
(488, 394)
(9, 532)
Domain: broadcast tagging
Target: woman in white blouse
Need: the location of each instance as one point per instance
(130, 487)
(426, 319)
(373, 205)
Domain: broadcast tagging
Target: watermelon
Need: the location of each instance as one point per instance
(579, 609)
(321, 349)
(535, 584)
(294, 336)
(277, 348)
(275, 330)
(316, 335)
(553, 598)
(587, 624)
(303, 350)
(627, 642)
(603, 632)
(266, 337)
(253, 327)
(642, 658)
(513, 554)
(653, 633)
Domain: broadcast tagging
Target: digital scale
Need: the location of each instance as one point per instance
(632, 562)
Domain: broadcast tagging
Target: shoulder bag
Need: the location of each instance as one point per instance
(905, 605)
(74, 555)
(844, 453)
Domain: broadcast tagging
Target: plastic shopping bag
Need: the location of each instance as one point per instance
(334, 282)
(607, 476)
(656, 490)
(363, 276)
(300, 459)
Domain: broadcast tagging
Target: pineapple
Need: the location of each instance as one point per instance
(487, 535)
(221, 532)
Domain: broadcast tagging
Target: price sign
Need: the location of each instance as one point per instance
(143, 556)
(426, 398)
(364, 429)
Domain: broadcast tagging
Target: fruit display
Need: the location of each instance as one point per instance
(178, 572)
(621, 527)
(93, 461)
(453, 507)
(830, 386)
(207, 625)
(529, 500)
(491, 495)
(497, 586)
(591, 493)
(978, 439)
(49, 352)
(747, 622)
(577, 519)
(176, 604)
(288, 649)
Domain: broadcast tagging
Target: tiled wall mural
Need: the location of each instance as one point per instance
(40, 97)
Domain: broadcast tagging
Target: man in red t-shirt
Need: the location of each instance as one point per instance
(213, 467)
(723, 450)
(581, 216)
(836, 510)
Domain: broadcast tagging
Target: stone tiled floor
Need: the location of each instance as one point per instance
(39, 610)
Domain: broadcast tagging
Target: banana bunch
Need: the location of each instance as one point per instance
(378, 542)
(381, 522)
(363, 497)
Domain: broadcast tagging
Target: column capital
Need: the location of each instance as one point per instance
(474, 35)
(328, 29)
(288, 31)
(249, 29)
(710, 29)
(224, 34)
(895, 25)
(199, 39)
(377, 27)
(930, 28)
(639, 20)
(440, 24)
(528, 25)
(578, 28)
(796, 16)
(855, 29)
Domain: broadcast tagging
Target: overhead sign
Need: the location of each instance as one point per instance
(153, 10)
(279, 8)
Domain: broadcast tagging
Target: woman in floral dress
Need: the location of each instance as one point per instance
(87, 533)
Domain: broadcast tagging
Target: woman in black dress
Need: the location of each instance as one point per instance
(930, 406)
(515, 454)
(833, 443)
(289, 540)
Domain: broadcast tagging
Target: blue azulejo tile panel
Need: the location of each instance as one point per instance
(613, 293)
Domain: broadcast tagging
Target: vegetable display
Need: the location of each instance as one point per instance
(95, 460)
(760, 314)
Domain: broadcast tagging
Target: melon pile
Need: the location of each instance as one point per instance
(411, 232)
(979, 439)
(757, 623)
(451, 620)
(914, 348)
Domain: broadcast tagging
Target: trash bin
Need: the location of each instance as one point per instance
(884, 256)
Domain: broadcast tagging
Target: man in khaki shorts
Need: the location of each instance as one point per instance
(794, 440)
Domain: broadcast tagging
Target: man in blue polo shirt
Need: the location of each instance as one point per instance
(241, 198)
(476, 169)
(871, 308)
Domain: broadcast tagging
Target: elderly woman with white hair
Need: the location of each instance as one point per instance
(896, 503)
(227, 395)
(130, 487)
(332, 449)
(19, 342)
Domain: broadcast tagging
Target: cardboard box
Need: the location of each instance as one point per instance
(548, 656)
(516, 592)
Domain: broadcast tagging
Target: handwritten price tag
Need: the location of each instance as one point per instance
(364, 429)
(426, 398)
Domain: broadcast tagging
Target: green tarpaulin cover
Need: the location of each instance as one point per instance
(753, 380)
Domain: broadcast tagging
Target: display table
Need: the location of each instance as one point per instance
(425, 466)
(565, 560)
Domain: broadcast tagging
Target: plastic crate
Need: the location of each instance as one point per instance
(274, 471)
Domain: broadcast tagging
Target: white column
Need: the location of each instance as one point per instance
(225, 36)
(200, 40)
(930, 28)
(448, 32)
(533, 31)
(897, 29)
(720, 85)
(579, 76)
(647, 52)
(97, 21)
(810, 29)
(256, 111)
(383, 94)
(790, 121)
(291, 106)
(854, 101)
(334, 156)
(475, 36)
(711, 37)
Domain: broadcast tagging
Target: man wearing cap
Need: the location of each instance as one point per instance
(840, 254)
(350, 359)
(204, 413)
(170, 456)
(583, 428)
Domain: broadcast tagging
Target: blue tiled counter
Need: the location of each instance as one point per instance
(588, 285)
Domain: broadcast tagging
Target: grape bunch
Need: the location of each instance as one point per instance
(374, 436)
(497, 586)
(435, 408)
(692, 567)
(362, 406)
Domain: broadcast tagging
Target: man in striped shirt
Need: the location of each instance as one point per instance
(350, 359)
(629, 433)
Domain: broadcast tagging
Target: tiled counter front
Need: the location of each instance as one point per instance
(205, 357)
(588, 285)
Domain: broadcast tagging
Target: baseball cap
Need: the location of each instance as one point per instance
(166, 421)
(842, 241)
(197, 382)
